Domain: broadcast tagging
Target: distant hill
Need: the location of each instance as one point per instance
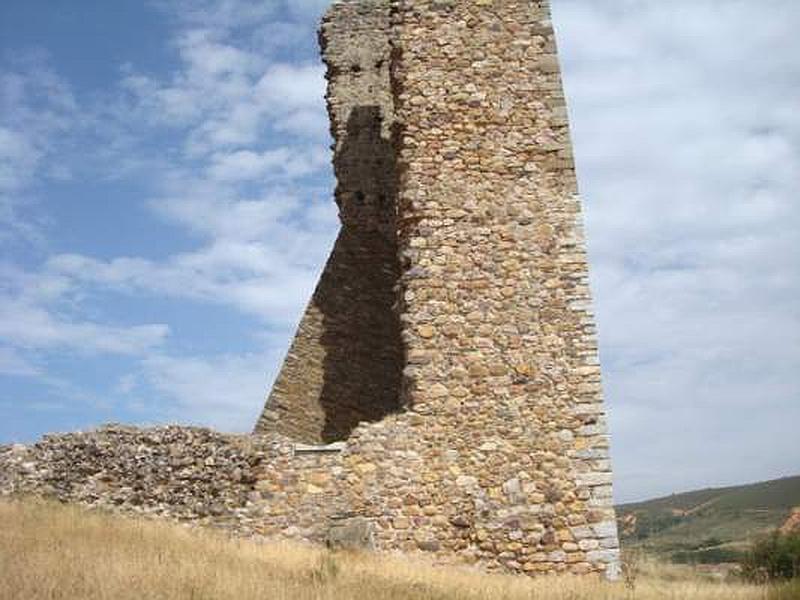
(708, 526)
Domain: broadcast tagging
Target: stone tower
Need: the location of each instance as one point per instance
(450, 341)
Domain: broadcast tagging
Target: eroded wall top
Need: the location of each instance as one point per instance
(345, 361)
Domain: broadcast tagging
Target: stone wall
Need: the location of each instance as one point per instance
(449, 340)
(249, 485)
(415, 497)
(344, 365)
(495, 314)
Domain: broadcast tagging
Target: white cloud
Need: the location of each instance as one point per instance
(262, 249)
(222, 14)
(307, 9)
(12, 363)
(36, 109)
(227, 123)
(291, 86)
(273, 36)
(260, 255)
(18, 157)
(27, 326)
(310, 123)
(209, 59)
(126, 384)
(245, 165)
(689, 161)
(257, 279)
(218, 216)
(221, 391)
(227, 97)
(38, 312)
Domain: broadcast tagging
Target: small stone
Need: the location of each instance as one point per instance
(497, 369)
(557, 556)
(426, 331)
(365, 468)
(604, 556)
(319, 478)
(588, 545)
(478, 370)
(466, 481)
(606, 529)
(513, 491)
(351, 534)
(569, 547)
(437, 390)
(429, 545)
(565, 435)
(459, 521)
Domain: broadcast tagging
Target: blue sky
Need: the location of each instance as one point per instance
(166, 206)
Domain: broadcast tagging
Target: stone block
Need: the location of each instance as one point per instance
(356, 533)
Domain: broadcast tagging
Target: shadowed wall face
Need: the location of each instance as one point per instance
(344, 365)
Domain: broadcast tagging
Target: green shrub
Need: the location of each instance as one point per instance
(773, 558)
(709, 556)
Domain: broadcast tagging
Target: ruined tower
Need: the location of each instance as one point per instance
(345, 363)
(450, 341)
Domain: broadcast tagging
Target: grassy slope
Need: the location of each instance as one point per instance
(714, 518)
(62, 553)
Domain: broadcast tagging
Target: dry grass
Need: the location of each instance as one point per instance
(56, 552)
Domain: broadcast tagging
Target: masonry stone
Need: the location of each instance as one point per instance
(442, 393)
